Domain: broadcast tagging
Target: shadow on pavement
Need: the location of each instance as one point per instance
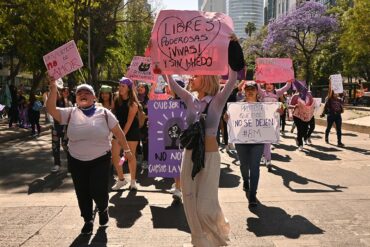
(159, 184)
(100, 239)
(320, 155)
(289, 176)
(47, 183)
(126, 210)
(279, 157)
(273, 221)
(357, 150)
(227, 179)
(81, 240)
(285, 147)
(325, 149)
(349, 134)
(170, 217)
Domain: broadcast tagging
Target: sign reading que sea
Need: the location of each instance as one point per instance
(63, 60)
(140, 69)
(253, 122)
(191, 42)
(167, 120)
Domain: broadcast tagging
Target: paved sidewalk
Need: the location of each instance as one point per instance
(318, 197)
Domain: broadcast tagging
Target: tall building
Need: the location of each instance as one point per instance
(244, 11)
(212, 5)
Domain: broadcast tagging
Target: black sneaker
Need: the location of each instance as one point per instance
(103, 218)
(327, 140)
(252, 200)
(87, 228)
(340, 144)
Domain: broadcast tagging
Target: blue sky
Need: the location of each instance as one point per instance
(180, 4)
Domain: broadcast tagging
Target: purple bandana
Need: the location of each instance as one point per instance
(126, 81)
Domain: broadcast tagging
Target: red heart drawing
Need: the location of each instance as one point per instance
(199, 24)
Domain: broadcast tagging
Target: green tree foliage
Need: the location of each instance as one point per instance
(250, 27)
(355, 40)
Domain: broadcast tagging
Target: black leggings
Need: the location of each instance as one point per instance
(302, 128)
(91, 179)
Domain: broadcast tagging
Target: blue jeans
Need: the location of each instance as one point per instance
(250, 156)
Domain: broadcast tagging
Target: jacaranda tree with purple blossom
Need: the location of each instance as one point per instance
(302, 30)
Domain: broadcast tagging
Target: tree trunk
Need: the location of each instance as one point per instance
(37, 76)
(308, 71)
(14, 70)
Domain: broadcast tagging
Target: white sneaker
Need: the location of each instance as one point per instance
(309, 141)
(300, 148)
(133, 185)
(263, 161)
(55, 168)
(305, 142)
(119, 184)
(177, 195)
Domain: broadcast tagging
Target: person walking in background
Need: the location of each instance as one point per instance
(333, 109)
(143, 97)
(34, 108)
(250, 154)
(270, 94)
(89, 146)
(125, 109)
(207, 223)
(58, 130)
(106, 97)
(283, 112)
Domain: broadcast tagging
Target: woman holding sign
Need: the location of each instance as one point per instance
(208, 225)
(89, 146)
(270, 94)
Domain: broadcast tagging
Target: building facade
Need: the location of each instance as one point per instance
(244, 11)
(212, 5)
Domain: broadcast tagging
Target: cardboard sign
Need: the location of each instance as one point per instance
(253, 122)
(191, 43)
(336, 83)
(167, 120)
(274, 70)
(140, 69)
(303, 111)
(63, 60)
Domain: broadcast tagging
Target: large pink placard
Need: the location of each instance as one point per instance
(191, 42)
(63, 60)
(140, 69)
(274, 70)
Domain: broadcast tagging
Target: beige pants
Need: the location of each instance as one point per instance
(207, 223)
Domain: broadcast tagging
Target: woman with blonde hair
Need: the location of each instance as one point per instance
(126, 107)
(199, 185)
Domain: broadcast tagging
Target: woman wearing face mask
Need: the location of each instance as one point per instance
(89, 146)
(125, 109)
(207, 223)
(270, 94)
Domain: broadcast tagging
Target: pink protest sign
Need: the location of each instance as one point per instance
(304, 112)
(140, 69)
(190, 43)
(63, 60)
(274, 70)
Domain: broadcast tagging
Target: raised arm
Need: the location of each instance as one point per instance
(282, 90)
(51, 102)
(185, 95)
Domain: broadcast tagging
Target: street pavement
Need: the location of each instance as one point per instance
(318, 197)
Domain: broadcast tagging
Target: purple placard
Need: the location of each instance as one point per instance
(242, 75)
(166, 121)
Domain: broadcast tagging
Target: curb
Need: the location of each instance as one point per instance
(347, 126)
(23, 134)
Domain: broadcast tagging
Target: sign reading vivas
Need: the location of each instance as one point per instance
(63, 60)
(274, 70)
(166, 122)
(253, 122)
(191, 42)
(140, 69)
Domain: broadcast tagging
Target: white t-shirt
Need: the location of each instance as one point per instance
(89, 137)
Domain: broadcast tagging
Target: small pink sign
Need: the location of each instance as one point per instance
(190, 43)
(140, 69)
(63, 60)
(274, 70)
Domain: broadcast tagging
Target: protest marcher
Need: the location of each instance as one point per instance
(22, 110)
(58, 135)
(89, 155)
(106, 97)
(250, 154)
(311, 126)
(284, 107)
(143, 97)
(207, 223)
(34, 108)
(303, 105)
(270, 94)
(126, 107)
(333, 109)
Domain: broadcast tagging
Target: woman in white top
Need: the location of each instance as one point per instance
(89, 146)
